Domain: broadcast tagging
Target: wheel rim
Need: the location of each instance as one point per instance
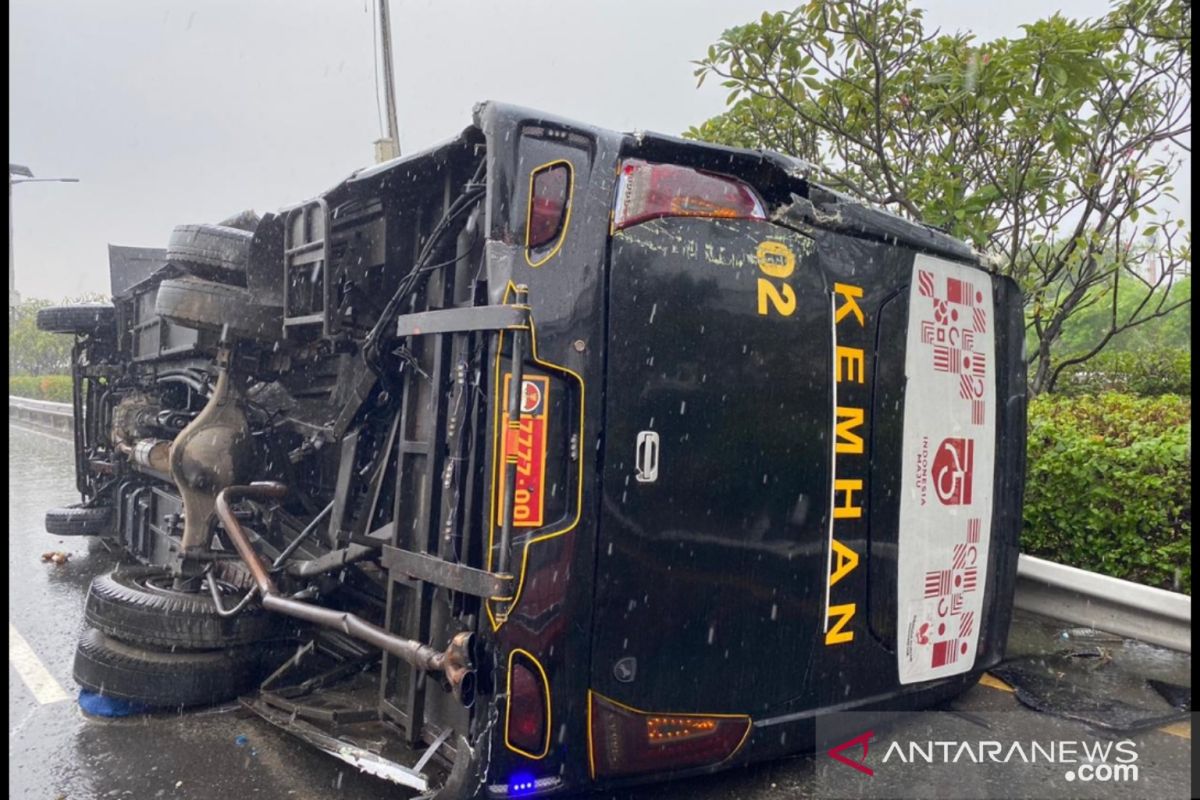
(163, 585)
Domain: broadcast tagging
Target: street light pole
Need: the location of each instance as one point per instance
(389, 148)
(389, 80)
(14, 297)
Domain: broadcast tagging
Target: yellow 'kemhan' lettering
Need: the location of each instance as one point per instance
(847, 420)
(850, 365)
(854, 361)
(846, 509)
(851, 293)
(844, 614)
(844, 562)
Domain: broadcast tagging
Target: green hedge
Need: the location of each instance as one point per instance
(1145, 372)
(1109, 486)
(41, 387)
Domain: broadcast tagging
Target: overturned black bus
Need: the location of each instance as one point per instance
(554, 458)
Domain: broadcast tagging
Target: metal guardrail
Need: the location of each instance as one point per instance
(1108, 604)
(58, 418)
(1053, 590)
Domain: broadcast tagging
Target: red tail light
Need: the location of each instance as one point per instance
(527, 724)
(625, 741)
(648, 191)
(549, 194)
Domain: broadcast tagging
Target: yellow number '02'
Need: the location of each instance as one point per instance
(768, 293)
(775, 260)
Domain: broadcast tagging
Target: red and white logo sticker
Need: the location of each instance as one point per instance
(951, 471)
(531, 397)
(949, 446)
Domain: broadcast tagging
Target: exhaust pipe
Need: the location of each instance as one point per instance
(454, 662)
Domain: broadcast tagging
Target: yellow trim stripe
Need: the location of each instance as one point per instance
(562, 235)
(591, 748)
(496, 428)
(508, 705)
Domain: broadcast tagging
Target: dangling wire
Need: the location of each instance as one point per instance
(475, 191)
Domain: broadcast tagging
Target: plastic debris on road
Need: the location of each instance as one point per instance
(99, 706)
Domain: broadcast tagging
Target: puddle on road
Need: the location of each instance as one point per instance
(1093, 676)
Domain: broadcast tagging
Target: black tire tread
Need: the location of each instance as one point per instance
(163, 678)
(209, 305)
(218, 247)
(118, 606)
(79, 319)
(79, 521)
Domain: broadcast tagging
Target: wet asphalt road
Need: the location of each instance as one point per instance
(58, 753)
(55, 751)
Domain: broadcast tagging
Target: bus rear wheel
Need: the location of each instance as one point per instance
(166, 679)
(138, 605)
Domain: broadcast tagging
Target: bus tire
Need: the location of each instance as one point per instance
(214, 251)
(138, 605)
(87, 318)
(207, 305)
(162, 678)
(79, 521)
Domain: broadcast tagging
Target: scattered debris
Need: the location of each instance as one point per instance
(56, 557)
(1179, 697)
(97, 705)
(1091, 634)
(1078, 688)
(1095, 656)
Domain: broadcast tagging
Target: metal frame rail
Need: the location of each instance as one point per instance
(425, 555)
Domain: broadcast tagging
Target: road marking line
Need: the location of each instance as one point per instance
(1182, 729)
(35, 675)
(993, 682)
(23, 722)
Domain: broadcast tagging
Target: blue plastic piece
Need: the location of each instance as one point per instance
(100, 706)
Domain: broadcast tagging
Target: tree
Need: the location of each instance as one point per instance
(1054, 151)
(1085, 328)
(35, 352)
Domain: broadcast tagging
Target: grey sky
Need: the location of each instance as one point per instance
(186, 111)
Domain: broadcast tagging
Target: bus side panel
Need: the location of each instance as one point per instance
(710, 561)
